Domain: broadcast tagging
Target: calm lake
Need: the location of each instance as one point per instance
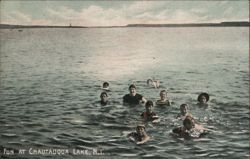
(50, 83)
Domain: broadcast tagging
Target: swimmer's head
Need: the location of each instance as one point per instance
(140, 129)
(149, 106)
(132, 86)
(149, 81)
(203, 98)
(104, 97)
(183, 108)
(132, 90)
(163, 94)
(188, 123)
(105, 85)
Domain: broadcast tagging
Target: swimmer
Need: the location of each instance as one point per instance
(203, 98)
(189, 129)
(153, 82)
(105, 86)
(164, 100)
(149, 115)
(140, 136)
(133, 97)
(183, 112)
(104, 98)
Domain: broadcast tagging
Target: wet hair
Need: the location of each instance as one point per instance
(105, 84)
(149, 102)
(183, 105)
(203, 94)
(188, 120)
(140, 126)
(103, 93)
(149, 80)
(163, 91)
(132, 86)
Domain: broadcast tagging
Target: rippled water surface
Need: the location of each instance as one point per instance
(50, 82)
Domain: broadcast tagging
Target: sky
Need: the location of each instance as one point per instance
(119, 13)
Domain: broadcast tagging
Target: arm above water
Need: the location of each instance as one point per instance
(156, 121)
(155, 118)
(200, 128)
(143, 141)
(143, 100)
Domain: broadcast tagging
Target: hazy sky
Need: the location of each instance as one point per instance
(103, 13)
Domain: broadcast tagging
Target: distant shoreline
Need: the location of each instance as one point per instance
(222, 24)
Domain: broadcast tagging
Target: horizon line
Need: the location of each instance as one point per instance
(223, 23)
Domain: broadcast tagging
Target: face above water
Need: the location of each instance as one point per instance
(163, 95)
(104, 98)
(132, 91)
(183, 110)
(203, 100)
(149, 108)
(105, 85)
(140, 130)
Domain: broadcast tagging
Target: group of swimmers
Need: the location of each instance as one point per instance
(190, 127)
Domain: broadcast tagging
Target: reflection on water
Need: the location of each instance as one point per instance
(50, 82)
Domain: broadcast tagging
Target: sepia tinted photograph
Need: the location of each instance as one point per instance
(117, 79)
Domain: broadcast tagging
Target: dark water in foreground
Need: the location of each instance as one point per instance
(50, 83)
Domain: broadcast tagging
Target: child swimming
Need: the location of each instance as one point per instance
(149, 115)
(183, 112)
(163, 101)
(140, 136)
(189, 129)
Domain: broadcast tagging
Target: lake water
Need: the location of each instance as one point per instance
(50, 82)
